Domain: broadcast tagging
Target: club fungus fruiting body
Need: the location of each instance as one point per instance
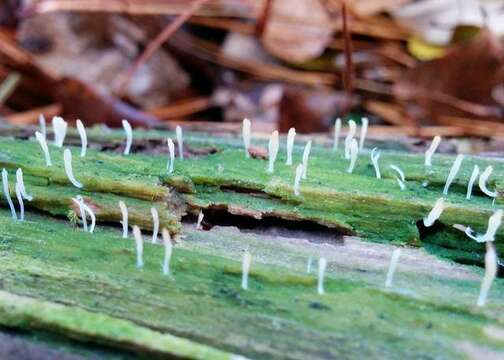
(435, 213)
(363, 133)
(5, 184)
(453, 173)
(354, 152)
(86, 210)
(483, 182)
(337, 134)
(494, 222)
(272, 151)
(171, 160)
(247, 259)
(490, 273)
(168, 246)
(297, 179)
(472, 179)
(200, 220)
(375, 156)
(431, 150)
(83, 137)
(67, 160)
(394, 259)
(60, 129)
(291, 135)
(352, 129)
(124, 222)
(401, 179)
(306, 155)
(180, 142)
(20, 181)
(19, 197)
(137, 234)
(246, 136)
(43, 145)
(42, 124)
(155, 224)
(322, 264)
(80, 203)
(129, 136)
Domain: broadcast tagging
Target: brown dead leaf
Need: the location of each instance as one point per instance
(297, 31)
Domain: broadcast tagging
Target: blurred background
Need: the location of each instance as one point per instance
(414, 68)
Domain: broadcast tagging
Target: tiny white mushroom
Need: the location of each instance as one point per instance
(435, 213)
(168, 246)
(43, 145)
(490, 273)
(297, 179)
(470, 184)
(5, 183)
(200, 220)
(20, 201)
(80, 203)
(139, 246)
(124, 214)
(354, 152)
(42, 123)
(431, 150)
(246, 136)
(89, 211)
(453, 173)
(180, 142)
(375, 156)
(337, 134)
(129, 136)
(247, 259)
(67, 160)
(59, 128)
(483, 182)
(291, 135)
(171, 161)
(306, 155)
(322, 264)
(83, 137)
(155, 224)
(401, 179)
(394, 259)
(20, 181)
(363, 133)
(352, 129)
(272, 151)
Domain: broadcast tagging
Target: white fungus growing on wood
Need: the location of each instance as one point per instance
(171, 160)
(67, 161)
(155, 224)
(6, 191)
(200, 220)
(435, 213)
(472, 179)
(59, 128)
(83, 137)
(273, 146)
(168, 246)
(80, 203)
(490, 273)
(297, 179)
(137, 234)
(291, 135)
(483, 182)
(363, 133)
(306, 155)
(354, 152)
(453, 173)
(180, 142)
(375, 156)
(352, 129)
(124, 222)
(246, 136)
(401, 179)
(431, 150)
(43, 145)
(42, 124)
(19, 197)
(129, 136)
(247, 259)
(322, 264)
(20, 181)
(494, 222)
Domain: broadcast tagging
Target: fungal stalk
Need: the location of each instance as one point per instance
(124, 222)
(470, 184)
(171, 151)
(200, 220)
(483, 182)
(297, 179)
(59, 127)
(180, 142)
(490, 273)
(431, 150)
(494, 222)
(80, 203)
(322, 264)
(352, 129)
(5, 184)
(168, 246)
(42, 123)
(43, 145)
(272, 151)
(67, 160)
(20, 181)
(137, 234)
(91, 213)
(392, 267)
(375, 156)
(129, 136)
(337, 134)
(83, 137)
(246, 136)
(401, 180)
(247, 259)
(20, 201)
(354, 151)
(309, 265)
(155, 224)
(453, 173)
(306, 155)
(291, 135)
(435, 213)
(363, 133)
